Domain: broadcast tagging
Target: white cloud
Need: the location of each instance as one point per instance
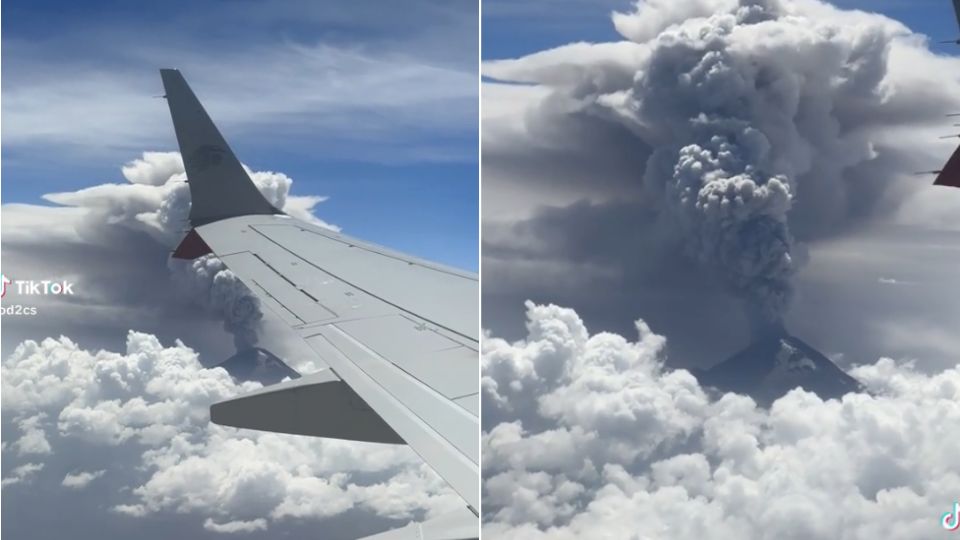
(22, 474)
(81, 479)
(235, 526)
(146, 411)
(154, 168)
(612, 445)
(33, 440)
(572, 66)
(328, 87)
(157, 198)
(654, 16)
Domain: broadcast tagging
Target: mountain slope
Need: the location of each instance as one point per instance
(776, 364)
(256, 364)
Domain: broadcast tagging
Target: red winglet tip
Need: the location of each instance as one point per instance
(191, 247)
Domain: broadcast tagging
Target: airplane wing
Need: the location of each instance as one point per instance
(950, 175)
(956, 10)
(400, 334)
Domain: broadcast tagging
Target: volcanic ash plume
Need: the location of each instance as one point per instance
(204, 281)
(732, 214)
(207, 281)
(736, 104)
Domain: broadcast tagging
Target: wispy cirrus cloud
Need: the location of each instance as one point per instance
(89, 87)
(343, 96)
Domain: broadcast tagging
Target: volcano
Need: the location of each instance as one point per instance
(775, 364)
(256, 364)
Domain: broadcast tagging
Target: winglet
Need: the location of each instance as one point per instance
(191, 247)
(950, 175)
(219, 186)
(318, 405)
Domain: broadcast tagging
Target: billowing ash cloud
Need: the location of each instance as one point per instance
(155, 202)
(743, 101)
(589, 436)
(736, 98)
(734, 125)
(207, 282)
(731, 214)
(132, 429)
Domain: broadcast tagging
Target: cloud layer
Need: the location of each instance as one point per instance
(590, 436)
(263, 70)
(145, 412)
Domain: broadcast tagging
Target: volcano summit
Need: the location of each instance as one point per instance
(775, 364)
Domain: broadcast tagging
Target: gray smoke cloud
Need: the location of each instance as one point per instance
(735, 117)
(207, 282)
(731, 214)
(738, 130)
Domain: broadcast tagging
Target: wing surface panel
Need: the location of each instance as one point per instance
(400, 352)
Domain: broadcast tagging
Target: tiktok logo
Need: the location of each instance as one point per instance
(951, 520)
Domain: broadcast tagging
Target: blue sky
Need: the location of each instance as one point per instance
(512, 29)
(370, 104)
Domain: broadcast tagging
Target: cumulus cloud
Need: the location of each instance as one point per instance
(589, 435)
(156, 199)
(235, 526)
(738, 132)
(145, 412)
(22, 474)
(33, 440)
(81, 479)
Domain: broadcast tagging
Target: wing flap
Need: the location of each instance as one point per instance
(318, 405)
(444, 434)
(432, 358)
(459, 525)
